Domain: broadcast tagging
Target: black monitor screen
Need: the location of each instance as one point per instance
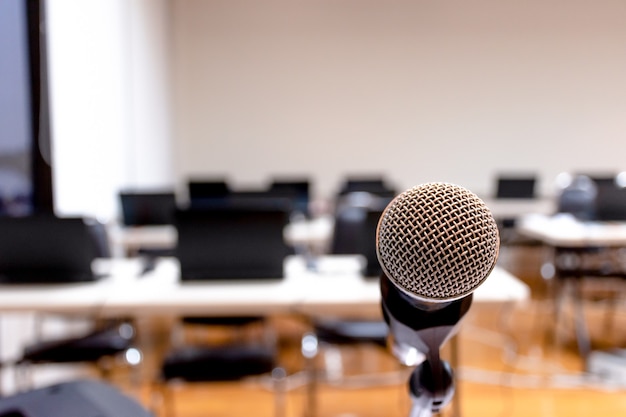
(231, 243)
(45, 249)
(147, 208)
(515, 188)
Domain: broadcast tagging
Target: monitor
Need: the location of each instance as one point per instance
(45, 249)
(231, 243)
(516, 187)
(610, 204)
(147, 208)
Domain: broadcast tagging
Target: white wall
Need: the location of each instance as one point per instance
(451, 90)
(420, 90)
(109, 83)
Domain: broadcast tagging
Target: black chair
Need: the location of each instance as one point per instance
(514, 187)
(226, 243)
(356, 218)
(64, 248)
(109, 347)
(578, 198)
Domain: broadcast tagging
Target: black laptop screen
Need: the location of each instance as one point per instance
(145, 208)
(45, 249)
(231, 243)
(523, 188)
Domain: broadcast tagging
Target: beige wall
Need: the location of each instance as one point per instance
(151, 92)
(420, 90)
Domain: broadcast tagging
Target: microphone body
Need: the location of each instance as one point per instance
(436, 244)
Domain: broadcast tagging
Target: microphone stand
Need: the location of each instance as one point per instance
(418, 330)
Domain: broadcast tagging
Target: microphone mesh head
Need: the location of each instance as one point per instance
(437, 242)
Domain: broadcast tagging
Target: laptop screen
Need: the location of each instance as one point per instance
(610, 203)
(516, 187)
(45, 249)
(140, 209)
(231, 243)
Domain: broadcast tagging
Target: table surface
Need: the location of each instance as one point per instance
(336, 288)
(565, 231)
(516, 207)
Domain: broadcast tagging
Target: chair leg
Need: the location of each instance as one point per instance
(162, 399)
(23, 377)
(312, 387)
(279, 380)
(309, 349)
(580, 323)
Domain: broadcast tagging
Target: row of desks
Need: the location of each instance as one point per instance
(336, 288)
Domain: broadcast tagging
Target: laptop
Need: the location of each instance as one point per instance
(147, 208)
(231, 243)
(516, 187)
(610, 203)
(44, 249)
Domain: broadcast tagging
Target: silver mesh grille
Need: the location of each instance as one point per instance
(437, 241)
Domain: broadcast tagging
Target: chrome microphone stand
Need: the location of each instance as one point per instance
(417, 333)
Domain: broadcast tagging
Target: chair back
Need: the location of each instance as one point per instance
(356, 219)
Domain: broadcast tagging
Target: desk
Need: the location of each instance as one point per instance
(565, 231)
(518, 207)
(85, 298)
(337, 288)
(571, 240)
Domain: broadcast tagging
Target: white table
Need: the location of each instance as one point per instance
(518, 207)
(85, 298)
(569, 240)
(336, 288)
(563, 230)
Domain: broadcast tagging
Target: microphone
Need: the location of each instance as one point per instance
(436, 243)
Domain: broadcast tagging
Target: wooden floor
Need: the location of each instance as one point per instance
(511, 365)
(507, 368)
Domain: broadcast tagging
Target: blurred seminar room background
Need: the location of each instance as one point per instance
(137, 129)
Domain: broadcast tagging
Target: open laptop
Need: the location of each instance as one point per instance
(147, 208)
(231, 243)
(610, 203)
(516, 187)
(45, 249)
